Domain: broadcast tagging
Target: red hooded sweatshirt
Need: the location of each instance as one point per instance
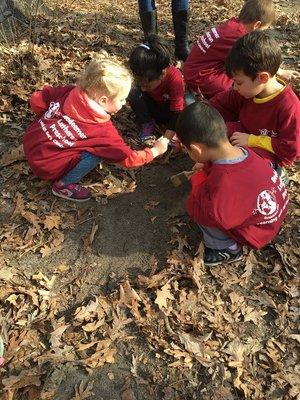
(67, 124)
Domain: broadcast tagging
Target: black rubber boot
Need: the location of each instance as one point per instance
(149, 22)
(180, 23)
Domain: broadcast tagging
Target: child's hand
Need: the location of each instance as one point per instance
(239, 139)
(160, 146)
(288, 74)
(198, 166)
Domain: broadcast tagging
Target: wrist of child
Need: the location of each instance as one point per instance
(251, 140)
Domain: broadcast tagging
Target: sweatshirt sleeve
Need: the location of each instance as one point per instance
(137, 159)
(37, 103)
(261, 141)
(286, 143)
(176, 92)
(228, 104)
(193, 205)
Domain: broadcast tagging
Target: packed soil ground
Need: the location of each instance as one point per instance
(110, 299)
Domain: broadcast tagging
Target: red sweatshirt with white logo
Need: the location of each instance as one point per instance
(278, 118)
(247, 200)
(67, 124)
(206, 60)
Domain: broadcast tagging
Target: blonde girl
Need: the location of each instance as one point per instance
(73, 131)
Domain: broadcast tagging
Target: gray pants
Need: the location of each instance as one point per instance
(216, 239)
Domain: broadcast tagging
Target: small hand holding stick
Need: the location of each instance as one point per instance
(178, 179)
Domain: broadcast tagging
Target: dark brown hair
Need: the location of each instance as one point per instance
(255, 52)
(201, 123)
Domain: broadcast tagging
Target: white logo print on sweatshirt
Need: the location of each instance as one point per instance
(265, 132)
(52, 110)
(205, 41)
(63, 131)
(266, 203)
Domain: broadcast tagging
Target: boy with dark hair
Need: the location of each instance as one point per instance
(204, 69)
(237, 198)
(262, 112)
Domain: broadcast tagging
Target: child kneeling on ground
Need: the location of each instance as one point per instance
(262, 112)
(158, 96)
(204, 70)
(73, 131)
(237, 198)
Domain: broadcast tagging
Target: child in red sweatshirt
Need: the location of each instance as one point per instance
(237, 199)
(73, 131)
(261, 111)
(204, 69)
(158, 96)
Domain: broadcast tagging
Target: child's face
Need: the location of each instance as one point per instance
(247, 87)
(113, 104)
(148, 86)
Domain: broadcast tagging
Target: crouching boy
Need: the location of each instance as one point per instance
(237, 198)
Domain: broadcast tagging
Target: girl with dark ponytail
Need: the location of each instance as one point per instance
(158, 95)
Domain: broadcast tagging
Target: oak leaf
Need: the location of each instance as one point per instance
(163, 295)
(52, 221)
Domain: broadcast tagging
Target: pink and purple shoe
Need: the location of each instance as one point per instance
(72, 191)
(147, 131)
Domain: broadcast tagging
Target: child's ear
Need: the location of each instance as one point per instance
(102, 100)
(263, 77)
(256, 25)
(196, 151)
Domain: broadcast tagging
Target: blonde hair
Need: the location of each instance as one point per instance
(105, 77)
(258, 10)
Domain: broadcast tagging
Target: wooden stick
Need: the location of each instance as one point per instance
(182, 177)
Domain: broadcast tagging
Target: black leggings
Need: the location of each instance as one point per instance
(146, 109)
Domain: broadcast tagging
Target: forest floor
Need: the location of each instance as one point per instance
(110, 299)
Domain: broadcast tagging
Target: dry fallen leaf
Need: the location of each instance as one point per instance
(52, 221)
(15, 154)
(83, 390)
(24, 379)
(163, 295)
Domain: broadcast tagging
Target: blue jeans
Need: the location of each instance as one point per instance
(149, 5)
(86, 164)
(215, 239)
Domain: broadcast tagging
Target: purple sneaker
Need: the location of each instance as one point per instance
(71, 192)
(147, 131)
